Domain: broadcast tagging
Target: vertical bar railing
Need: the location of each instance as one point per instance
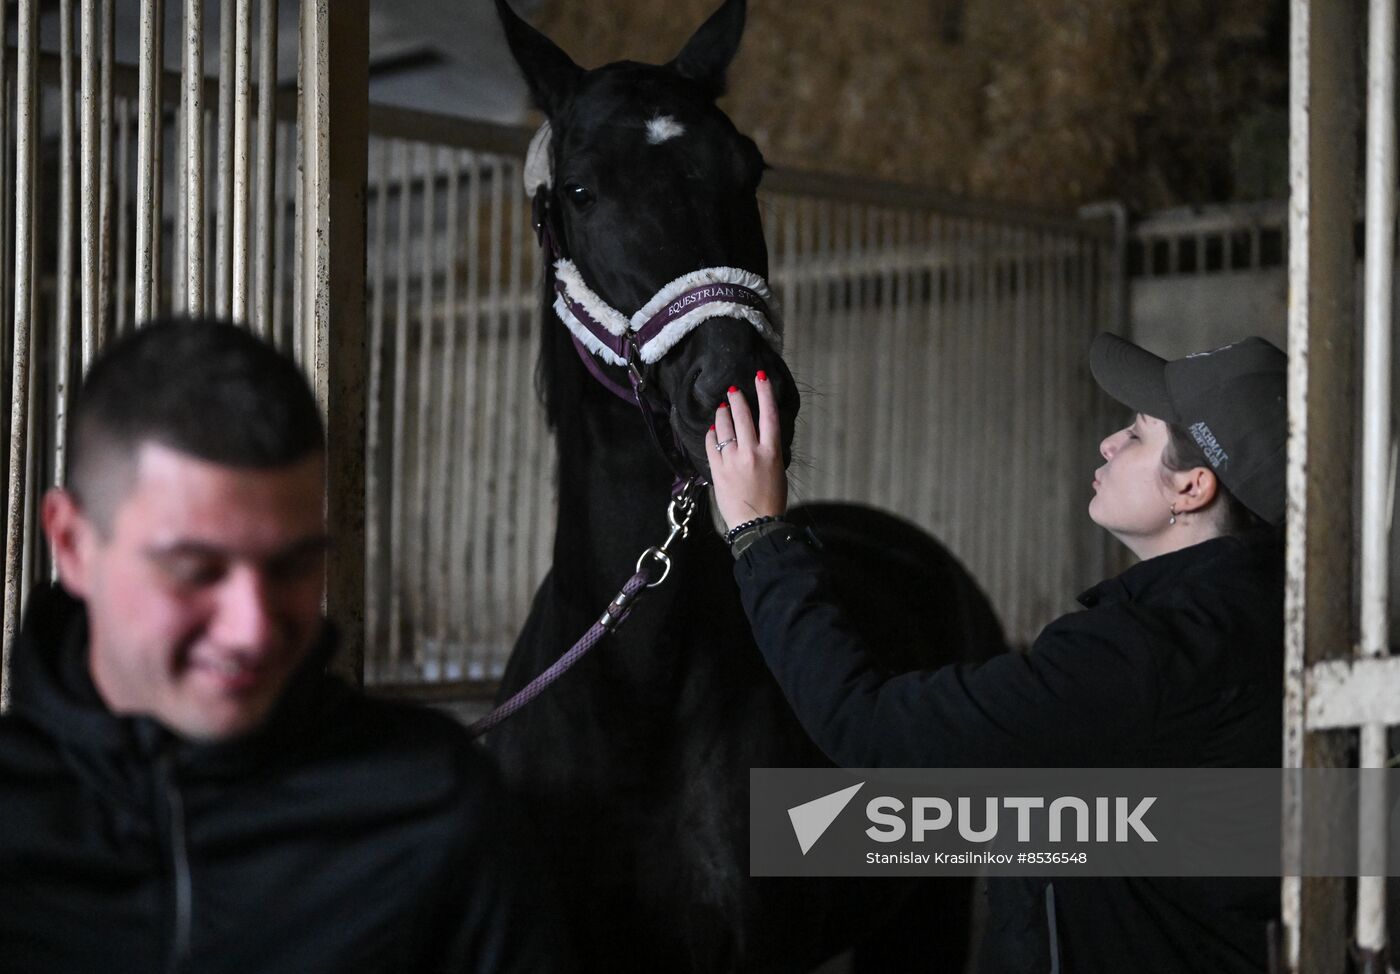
(107, 256)
(242, 159)
(1376, 450)
(148, 175)
(417, 577)
(399, 441)
(25, 105)
(441, 531)
(222, 305)
(63, 305)
(1319, 581)
(112, 127)
(192, 199)
(89, 135)
(375, 482)
(334, 109)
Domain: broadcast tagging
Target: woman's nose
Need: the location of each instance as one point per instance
(1108, 446)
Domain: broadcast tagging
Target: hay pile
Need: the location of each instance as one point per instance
(1051, 102)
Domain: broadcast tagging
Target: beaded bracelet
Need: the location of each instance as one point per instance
(739, 529)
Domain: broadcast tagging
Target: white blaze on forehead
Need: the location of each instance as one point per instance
(664, 128)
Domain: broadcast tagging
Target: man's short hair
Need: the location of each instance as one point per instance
(205, 388)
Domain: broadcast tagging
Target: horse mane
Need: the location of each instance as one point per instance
(556, 383)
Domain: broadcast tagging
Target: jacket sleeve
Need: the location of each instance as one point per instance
(1082, 696)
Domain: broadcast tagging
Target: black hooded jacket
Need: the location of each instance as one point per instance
(345, 834)
(1177, 662)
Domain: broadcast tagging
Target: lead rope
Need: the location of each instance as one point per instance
(678, 513)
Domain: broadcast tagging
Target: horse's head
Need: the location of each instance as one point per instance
(647, 181)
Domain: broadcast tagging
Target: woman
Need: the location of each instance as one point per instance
(1177, 662)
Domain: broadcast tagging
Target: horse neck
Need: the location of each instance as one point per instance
(614, 489)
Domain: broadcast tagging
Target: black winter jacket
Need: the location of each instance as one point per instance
(1177, 662)
(345, 834)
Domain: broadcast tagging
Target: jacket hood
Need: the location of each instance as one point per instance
(52, 689)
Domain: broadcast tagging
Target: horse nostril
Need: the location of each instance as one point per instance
(709, 389)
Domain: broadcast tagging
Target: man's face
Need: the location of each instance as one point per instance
(204, 594)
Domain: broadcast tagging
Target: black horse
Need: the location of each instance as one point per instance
(636, 763)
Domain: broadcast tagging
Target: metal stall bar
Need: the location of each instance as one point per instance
(63, 305)
(6, 232)
(334, 110)
(418, 570)
(374, 425)
(267, 166)
(106, 313)
(192, 199)
(399, 441)
(296, 184)
(1376, 489)
(223, 206)
(488, 473)
(25, 104)
(512, 393)
(88, 132)
(1317, 599)
(465, 538)
(242, 158)
(180, 236)
(148, 137)
(441, 570)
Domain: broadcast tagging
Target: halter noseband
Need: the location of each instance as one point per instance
(601, 332)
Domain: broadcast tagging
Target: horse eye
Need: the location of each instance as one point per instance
(578, 195)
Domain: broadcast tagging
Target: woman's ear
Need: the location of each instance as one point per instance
(1194, 489)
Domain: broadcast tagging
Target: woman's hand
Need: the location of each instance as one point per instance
(746, 466)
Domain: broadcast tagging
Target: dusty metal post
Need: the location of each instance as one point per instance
(223, 202)
(193, 81)
(107, 109)
(1321, 406)
(90, 213)
(25, 103)
(1376, 498)
(63, 320)
(335, 116)
(148, 174)
(242, 159)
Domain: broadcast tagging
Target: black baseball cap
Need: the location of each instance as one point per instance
(1232, 400)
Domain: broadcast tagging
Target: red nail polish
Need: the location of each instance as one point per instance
(733, 388)
(724, 405)
(712, 427)
(762, 376)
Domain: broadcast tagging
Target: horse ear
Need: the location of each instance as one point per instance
(706, 56)
(548, 71)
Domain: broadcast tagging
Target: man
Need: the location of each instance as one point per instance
(182, 787)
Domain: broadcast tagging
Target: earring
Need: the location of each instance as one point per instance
(1173, 520)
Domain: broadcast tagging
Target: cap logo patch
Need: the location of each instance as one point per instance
(1210, 446)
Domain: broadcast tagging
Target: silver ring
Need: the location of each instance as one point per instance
(719, 447)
